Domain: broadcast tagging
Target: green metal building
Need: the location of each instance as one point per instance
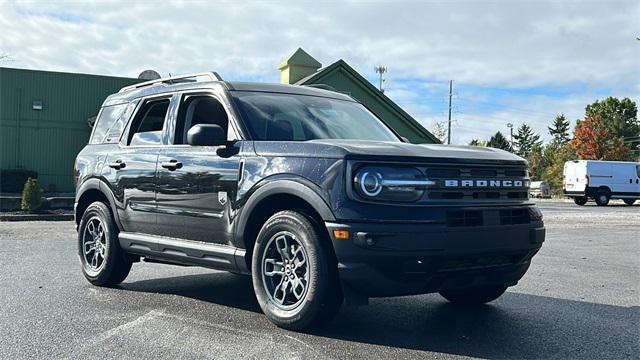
(44, 120)
(44, 116)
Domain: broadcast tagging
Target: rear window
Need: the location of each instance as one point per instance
(110, 122)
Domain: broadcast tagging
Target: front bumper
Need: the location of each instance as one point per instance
(392, 259)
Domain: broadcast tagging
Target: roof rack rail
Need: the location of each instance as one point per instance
(322, 86)
(210, 75)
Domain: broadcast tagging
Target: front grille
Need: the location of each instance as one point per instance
(514, 216)
(467, 218)
(464, 218)
(477, 182)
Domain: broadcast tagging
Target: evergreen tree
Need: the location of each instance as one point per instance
(525, 140)
(498, 141)
(560, 129)
(31, 195)
(476, 142)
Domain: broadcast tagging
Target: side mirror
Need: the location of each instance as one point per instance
(206, 135)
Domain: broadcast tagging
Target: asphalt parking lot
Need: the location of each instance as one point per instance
(580, 299)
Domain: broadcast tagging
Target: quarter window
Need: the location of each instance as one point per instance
(109, 116)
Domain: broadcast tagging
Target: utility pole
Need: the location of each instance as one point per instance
(450, 93)
(380, 70)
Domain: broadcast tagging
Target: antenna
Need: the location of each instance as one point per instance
(380, 70)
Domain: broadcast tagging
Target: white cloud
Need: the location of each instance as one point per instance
(513, 45)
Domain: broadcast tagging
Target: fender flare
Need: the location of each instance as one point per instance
(301, 188)
(97, 184)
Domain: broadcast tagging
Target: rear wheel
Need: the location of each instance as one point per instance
(581, 200)
(472, 296)
(294, 272)
(602, 197)
(103, 261)
(629, 201)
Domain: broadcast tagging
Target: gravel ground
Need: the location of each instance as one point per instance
(580, 299)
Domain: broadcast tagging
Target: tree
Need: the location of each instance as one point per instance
(592, 141)
(560, 129)
(536, 162)
(498, 141)
(525, 140)
(476, 142)
(438, 130)
(31, 195)
(555, 156)
(620, 117)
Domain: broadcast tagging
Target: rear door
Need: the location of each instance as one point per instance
(196, 183)
(574, 176)
(131, 169)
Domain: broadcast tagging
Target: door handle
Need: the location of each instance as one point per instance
(118, 164)
(171, 165)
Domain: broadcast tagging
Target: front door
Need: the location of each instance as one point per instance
(196, 183)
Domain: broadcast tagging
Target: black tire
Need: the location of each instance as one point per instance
(474, 296)
(581, 200)
(115, 264)
(602, 197)
(629, 201)
(321, 297)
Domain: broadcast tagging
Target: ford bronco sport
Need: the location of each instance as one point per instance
(302, 188)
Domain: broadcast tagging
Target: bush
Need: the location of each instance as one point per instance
(31, 195)
(12, 180)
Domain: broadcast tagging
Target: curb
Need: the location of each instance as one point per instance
(37, 217)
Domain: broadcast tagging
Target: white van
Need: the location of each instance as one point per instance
(601, 181)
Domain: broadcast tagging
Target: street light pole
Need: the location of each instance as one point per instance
(510, 126)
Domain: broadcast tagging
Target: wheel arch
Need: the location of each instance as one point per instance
(277, 196)
(90, 191)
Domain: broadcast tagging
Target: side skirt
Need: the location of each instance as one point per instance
(187, 252)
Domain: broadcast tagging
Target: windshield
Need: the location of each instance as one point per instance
(290, 117)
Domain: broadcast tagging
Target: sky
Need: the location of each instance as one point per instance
(510, 61)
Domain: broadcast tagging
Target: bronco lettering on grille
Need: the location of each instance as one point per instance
(486, 183)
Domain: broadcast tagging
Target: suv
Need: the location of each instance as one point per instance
(304, 189)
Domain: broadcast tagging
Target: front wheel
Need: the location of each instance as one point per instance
(474, 296)
(103, 261)
(581, 200)
(294, 272)
(629, 201)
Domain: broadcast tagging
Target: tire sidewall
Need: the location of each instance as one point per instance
(305, 312)
(602, 198)
(111, 234)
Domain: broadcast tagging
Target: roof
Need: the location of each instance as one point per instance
(371, 90)
(300, 58)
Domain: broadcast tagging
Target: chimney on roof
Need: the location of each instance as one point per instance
(297, 66)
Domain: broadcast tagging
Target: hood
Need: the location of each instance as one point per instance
(392, 151)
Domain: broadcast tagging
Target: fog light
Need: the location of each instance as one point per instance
(340, 234)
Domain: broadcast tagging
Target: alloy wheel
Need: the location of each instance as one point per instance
(94, 244)
(285, 270)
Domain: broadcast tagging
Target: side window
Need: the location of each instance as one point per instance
(106, 120)
(196, 110)
(115, 131)
(638, 170)
(146, 128)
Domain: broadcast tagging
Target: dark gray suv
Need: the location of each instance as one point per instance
(304, 189)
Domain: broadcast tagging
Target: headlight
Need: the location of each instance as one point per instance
(385, 183)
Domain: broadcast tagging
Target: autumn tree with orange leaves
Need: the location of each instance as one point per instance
(592, 141)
